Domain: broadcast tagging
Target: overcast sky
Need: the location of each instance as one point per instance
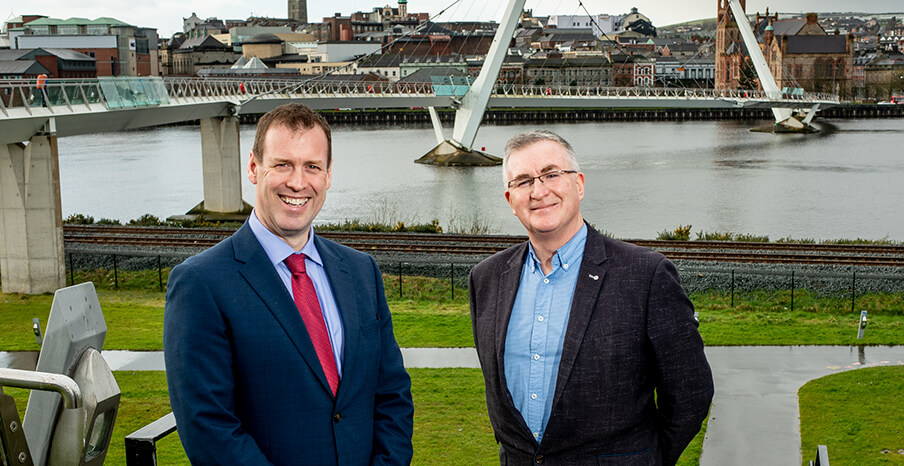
(166, 15)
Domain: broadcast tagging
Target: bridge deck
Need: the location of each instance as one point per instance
(74, 107)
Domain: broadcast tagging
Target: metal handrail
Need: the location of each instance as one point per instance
(46, 381)
(18, 93)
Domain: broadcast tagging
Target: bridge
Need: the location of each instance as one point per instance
(75, 107)
(31, 120)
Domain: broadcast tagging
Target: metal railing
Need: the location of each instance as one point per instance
(135, 92)
(72, 94)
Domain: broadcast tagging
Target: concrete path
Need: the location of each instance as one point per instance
(413, 357)
(754, 418)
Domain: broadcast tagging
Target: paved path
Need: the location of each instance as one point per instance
(754, 418)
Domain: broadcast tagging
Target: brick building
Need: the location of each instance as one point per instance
(119, 49)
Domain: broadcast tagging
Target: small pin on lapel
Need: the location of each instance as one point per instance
(595, 277)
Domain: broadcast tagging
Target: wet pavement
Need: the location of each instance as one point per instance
(754, 418)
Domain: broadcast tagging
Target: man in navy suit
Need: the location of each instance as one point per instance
(264, 368)
(588, 345)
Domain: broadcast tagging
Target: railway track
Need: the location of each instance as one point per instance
(483, 245)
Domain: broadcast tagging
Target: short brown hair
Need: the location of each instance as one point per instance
(296, 117)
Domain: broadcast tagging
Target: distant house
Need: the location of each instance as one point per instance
(119, 49)
(202, 52)
(55, 63)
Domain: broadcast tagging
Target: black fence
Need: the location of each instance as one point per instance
(406, 278)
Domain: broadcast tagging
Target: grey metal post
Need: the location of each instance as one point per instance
(792, 290)
(452, 277)
(861, 329)
(732, 288)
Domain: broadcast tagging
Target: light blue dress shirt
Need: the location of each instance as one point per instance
(277, 251)
(536, 331)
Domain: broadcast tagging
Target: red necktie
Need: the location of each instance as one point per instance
(309, 308)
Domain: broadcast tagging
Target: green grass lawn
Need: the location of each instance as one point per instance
(451, 424)
(857, 414)
(135, 319)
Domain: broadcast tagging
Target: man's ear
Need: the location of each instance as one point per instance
(252, 169)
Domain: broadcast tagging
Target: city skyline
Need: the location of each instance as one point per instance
(166, 15)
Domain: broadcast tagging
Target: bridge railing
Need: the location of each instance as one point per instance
(131, 92)
(21, 93)
(526, 90)
(111, 92)
(199, 88)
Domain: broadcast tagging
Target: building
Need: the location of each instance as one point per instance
(729, 60)
(387, 66)
(883, 76)
(298, 10)
(799, 53)
(583, 71)
(199, 53)
(605, 25)
(696, 72)
(119, 49)
(570, 39)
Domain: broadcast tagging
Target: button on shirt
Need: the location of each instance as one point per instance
(277, 251)
(536, 331)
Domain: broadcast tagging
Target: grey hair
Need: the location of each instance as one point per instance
(520, 141)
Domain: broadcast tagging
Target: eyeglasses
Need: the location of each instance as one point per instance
(547, 178)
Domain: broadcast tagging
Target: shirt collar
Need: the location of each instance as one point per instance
(278, 250)
(567, 254)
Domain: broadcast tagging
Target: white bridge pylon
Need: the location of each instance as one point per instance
(459, 150)
(783, 116)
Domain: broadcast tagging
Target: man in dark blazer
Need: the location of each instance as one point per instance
(250, 381)
(588, 345)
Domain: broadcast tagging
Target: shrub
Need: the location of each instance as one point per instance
(146, 220)
(79, 219)
(109, 221)
(682, 233)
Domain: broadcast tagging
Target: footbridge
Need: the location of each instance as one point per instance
(74, 107)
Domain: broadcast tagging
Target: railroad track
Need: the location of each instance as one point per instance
(483, 245)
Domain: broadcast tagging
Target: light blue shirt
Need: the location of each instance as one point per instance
(536, 331)
(277, 251)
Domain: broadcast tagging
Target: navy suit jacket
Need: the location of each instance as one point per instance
(631, 331)
(245, 383)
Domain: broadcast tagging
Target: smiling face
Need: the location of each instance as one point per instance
(550, 211)
(291, 178)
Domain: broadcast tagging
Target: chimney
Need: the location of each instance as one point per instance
(811, 18)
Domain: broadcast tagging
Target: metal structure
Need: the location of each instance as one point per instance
(861, 329)
(74, 400)
(141, 445)
(822, 456)
(74, 107)
(783, 116)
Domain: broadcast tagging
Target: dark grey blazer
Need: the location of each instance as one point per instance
(631, 331)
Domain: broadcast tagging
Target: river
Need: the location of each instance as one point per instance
(641, 177)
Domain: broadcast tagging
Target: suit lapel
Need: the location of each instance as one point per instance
(257, 270)
(346, 301)
(586, 292)
(507, 290)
